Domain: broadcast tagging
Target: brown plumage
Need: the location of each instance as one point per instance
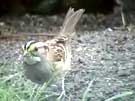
(59, 48)
(55, 53)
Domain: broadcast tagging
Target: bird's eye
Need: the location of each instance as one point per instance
(35, 49)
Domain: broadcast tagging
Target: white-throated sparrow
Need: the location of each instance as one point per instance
(45, 60)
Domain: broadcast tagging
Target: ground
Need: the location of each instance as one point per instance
(103, 62)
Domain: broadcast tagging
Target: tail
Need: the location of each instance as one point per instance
(67, 31)
(71, 19)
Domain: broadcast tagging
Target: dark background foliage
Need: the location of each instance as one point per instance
(55, 6)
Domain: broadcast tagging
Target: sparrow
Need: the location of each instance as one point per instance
(48, 60)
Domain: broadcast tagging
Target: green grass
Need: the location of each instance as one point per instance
(15, 87)
(86, 92)
(8, 93)
(121, 95)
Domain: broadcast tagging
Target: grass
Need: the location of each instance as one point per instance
(8, 93)
(121, 95)
(14, 87)
(86, 92)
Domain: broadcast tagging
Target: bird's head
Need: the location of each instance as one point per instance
(32, 52)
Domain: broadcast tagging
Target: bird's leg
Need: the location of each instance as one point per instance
(63, 87)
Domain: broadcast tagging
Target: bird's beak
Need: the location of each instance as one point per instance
(25, 52)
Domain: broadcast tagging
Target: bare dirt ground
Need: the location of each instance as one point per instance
(101, 55)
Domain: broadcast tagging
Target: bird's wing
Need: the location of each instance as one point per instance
(56, 50)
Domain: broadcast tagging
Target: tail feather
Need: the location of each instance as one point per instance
(71, 19)
(68, 28)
